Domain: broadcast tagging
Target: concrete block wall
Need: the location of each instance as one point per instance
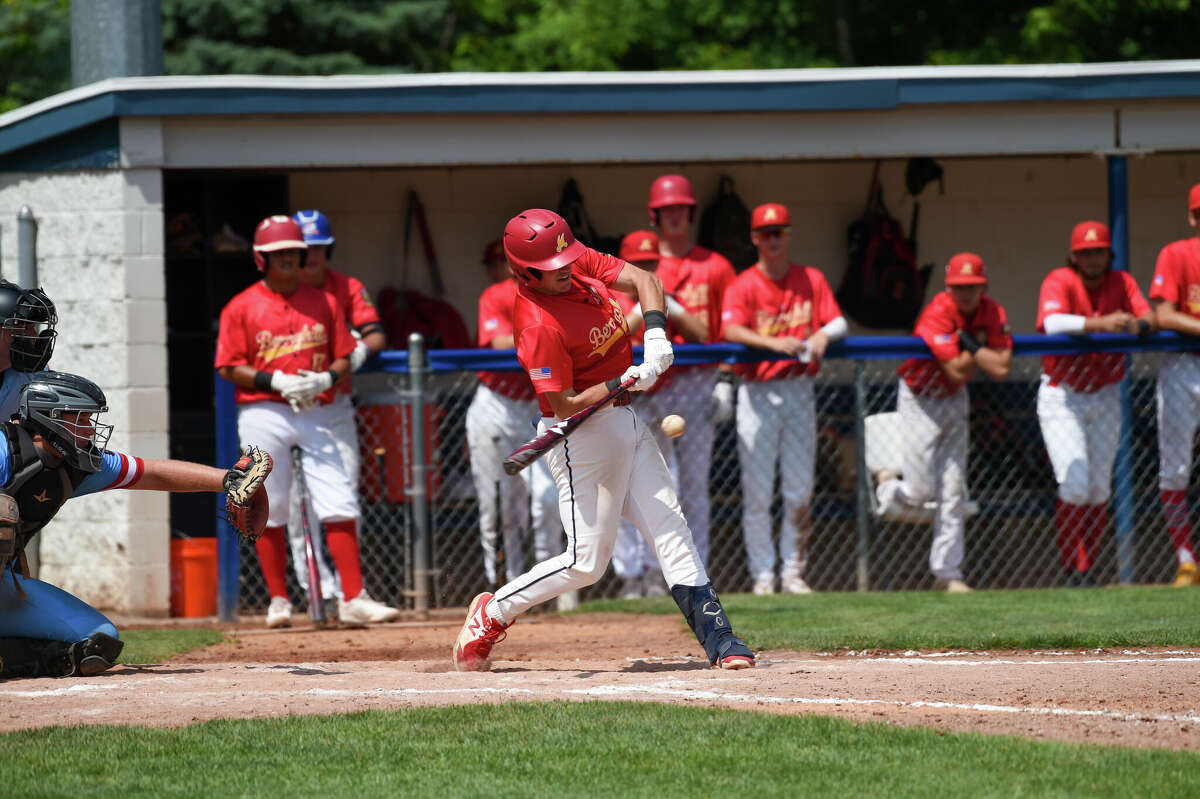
(100, 253)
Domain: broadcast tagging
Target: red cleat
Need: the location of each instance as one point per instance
(479, 634)
(735, 662)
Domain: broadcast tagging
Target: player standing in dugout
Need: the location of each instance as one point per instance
(573, 341)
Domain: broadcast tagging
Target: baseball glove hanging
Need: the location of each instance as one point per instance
(245, 497)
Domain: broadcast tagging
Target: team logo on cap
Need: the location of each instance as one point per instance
(646, 245)
(561, 244)
(968, 268)
(1091, 235)
(770, 215)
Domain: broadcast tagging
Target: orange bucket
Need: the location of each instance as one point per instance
(193, 577)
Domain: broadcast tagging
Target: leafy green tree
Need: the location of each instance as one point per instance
(35, 50)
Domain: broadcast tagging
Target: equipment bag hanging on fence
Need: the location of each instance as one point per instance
(570, 208)
(725, 226)
(882, 287)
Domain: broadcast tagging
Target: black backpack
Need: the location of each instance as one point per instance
(882, 287)
(725, 227)
(570, 208)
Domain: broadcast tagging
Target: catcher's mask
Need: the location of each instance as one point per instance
(28, 317)
(65, 410)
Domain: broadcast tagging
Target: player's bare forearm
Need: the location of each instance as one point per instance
(241, 376)
(1171, 318)
(376, 342)
(503, 343)
(179, 476)
(691, 327)
(341, 367)
(740, 334)
(959, 368)
(644, 285)
(994, 363)
(568, 403)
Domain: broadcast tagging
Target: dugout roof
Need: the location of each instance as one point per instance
(494, 118)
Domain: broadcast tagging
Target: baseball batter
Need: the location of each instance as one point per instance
(501, 417)
(1079, 401)
(964, 329)
(1176, 292)
(782, 307)
(284, 344)
(697, 278)
(349, 294)
(573, 341)
(56, 451)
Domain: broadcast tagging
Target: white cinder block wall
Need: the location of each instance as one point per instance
(100, 253)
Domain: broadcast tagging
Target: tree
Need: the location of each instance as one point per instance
(35, 50)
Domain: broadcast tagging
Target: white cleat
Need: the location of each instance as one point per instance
(654, 584)
(279, 613)
(952, 586)
(364, 610)
(631, 588)
(764, 586)
(794, 585)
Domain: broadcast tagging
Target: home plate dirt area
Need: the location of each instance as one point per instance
(1145, 697)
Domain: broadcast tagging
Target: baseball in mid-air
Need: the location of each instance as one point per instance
(673, 425)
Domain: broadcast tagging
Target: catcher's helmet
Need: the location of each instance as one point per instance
(539, 239)
(670, 190)
(29, 317)
(51, 405)
(277, 233)
(315, 227)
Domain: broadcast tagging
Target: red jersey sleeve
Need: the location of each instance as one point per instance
(1053, 298)
(494, 319)
(737, 307)
(362, 311)
(341, 342)
(599, 266)
(939, 331)
(1165, 285)
(1137, 301)
(825, 307)
(231, 338)
(546, 358)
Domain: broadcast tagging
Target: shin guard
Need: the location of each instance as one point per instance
(702, 608)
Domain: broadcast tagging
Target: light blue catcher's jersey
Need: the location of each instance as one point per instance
(11, 382)
(117, 471)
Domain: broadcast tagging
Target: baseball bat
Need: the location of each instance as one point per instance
(316, 600)
(535, 448)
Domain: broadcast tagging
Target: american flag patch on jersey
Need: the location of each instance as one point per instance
(541, 373)
(1051, 305)
(943, 338)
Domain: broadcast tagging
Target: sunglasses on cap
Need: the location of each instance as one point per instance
(772, 232)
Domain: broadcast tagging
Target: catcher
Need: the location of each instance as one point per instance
(54, 450)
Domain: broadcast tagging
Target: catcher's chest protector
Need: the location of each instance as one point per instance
(39, 488)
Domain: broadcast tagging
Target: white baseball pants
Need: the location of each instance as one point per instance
(633, 557)
(776, 422)
(1081, 432)
(1178, 399)
(690, 396)
(328, 440)
(608, 468)
(934, 438)
(497, 425)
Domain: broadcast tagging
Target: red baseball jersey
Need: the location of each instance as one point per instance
(799, 305)
(355, 303)
(639, 339)
(698, 281)
(938, 325)
(496, 320)
(282, 332)
(577, 339)
(1177, 276)
(1063, 292)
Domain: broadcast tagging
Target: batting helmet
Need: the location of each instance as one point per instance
(1090, 236)
(640, 245)
(315, 227)
(670, 190)
(539, 239)
(277, 233)
(29, 317)
(50, 405)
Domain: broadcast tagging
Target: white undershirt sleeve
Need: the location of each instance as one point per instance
(837, 329)
(1064, 323)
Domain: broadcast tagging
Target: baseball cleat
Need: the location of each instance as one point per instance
(480, 632)
(365, 610)
(764, 586)
(952, 585)
(736, 662)
(1187, 575)
(794, 584)
(279, 613)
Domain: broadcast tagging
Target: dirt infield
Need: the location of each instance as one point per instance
(1146, 698)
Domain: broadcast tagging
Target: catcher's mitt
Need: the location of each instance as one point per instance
(245, 497)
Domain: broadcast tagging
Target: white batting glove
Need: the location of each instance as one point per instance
(720, 407)
(645, 375)
(311, 384)
(658, 352)
(360, 354)
(283, 383)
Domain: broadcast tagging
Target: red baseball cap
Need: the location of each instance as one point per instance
(1090, 236)
(1194, 198)
(965, 269)
(640, 245)
(770, 215)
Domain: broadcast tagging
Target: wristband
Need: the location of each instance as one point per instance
(262, 380)
(1143, 327)
(334, 376)
(613, 385)
(369, 328)
(655, 319)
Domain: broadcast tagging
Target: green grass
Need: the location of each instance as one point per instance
(571, 749)
(155, 646)
(1032, 619)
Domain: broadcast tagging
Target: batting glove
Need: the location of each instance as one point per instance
(658, 352)
(720, 407)
(311, 384)
(360, 355)
(283, 383)
(644, 374)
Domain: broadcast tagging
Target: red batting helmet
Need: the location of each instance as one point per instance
(1090, 236)
(539, 239)
(277, 233)
(640, 245)
(669, 190)
(966, 269)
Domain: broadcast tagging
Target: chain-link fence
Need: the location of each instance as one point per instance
(1010, 500)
